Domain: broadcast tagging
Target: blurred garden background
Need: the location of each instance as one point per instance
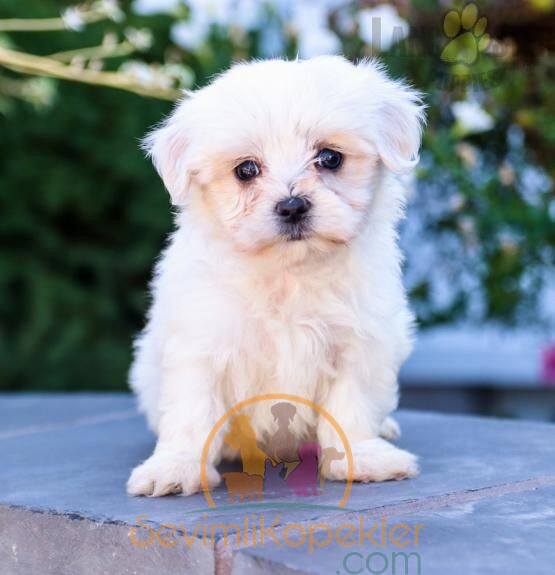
(83, 214)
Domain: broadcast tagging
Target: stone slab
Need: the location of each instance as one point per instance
(23, 414)
(72, 464)
(505, 534)
(49, 544)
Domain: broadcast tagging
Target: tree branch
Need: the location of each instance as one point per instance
(47, 24)
(95, 52)
(42, 66)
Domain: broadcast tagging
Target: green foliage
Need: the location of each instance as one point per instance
(83, 217)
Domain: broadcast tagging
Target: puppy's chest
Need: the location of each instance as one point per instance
(288, 343)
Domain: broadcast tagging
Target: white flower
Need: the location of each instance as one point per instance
(148, 76)
(109, 40)
(110, 8)
(310, 22)
(219, 12)
(471, 118)
(468, 154)
(96, 65)
(345, 22)
(467, 226)
(191, 33)
(534, 184)
(140, 39)
(39, 91)
(382, 27)
(181, 74)
(149, 7)
(309, 16)
(506, 173)
(140, 71)
(317, 42)
(457, 202)
(73, 19)
(247, 14)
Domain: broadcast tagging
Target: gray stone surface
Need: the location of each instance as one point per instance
(27, 414)
(34, 543)
(485, 497)
(498, 533)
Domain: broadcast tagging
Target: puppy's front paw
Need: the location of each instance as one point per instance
(376, 460)
(383, 462)
(166, 473)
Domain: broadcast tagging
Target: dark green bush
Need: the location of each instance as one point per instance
(83, 217)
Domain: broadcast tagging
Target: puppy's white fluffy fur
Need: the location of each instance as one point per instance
(238, 310)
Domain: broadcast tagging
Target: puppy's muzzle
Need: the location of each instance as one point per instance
(293, 214)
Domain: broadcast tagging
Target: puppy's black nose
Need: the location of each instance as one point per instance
(292, 210)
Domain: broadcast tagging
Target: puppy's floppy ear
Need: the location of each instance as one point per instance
(399, 118)
(167, 146)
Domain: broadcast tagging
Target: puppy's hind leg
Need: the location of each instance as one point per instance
(145, 377)
(390, 429)
(359, 403)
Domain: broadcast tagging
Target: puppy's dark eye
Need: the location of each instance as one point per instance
(247, 170)
(329, 159)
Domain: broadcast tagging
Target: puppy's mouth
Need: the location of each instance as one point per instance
(296, 232)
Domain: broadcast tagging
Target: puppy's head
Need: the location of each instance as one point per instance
(277, 154)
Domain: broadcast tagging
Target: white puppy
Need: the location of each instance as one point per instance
(283, 275)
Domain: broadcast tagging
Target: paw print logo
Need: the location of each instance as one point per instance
(466, 31)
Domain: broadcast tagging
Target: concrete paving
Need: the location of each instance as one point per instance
(484, 503)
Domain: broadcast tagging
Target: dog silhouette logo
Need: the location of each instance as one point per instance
(279, 464)
(330, 454)
(303, 480)
(243, 486)
(280, 444)
(242, 437)
(284, 469)
(467, 35)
